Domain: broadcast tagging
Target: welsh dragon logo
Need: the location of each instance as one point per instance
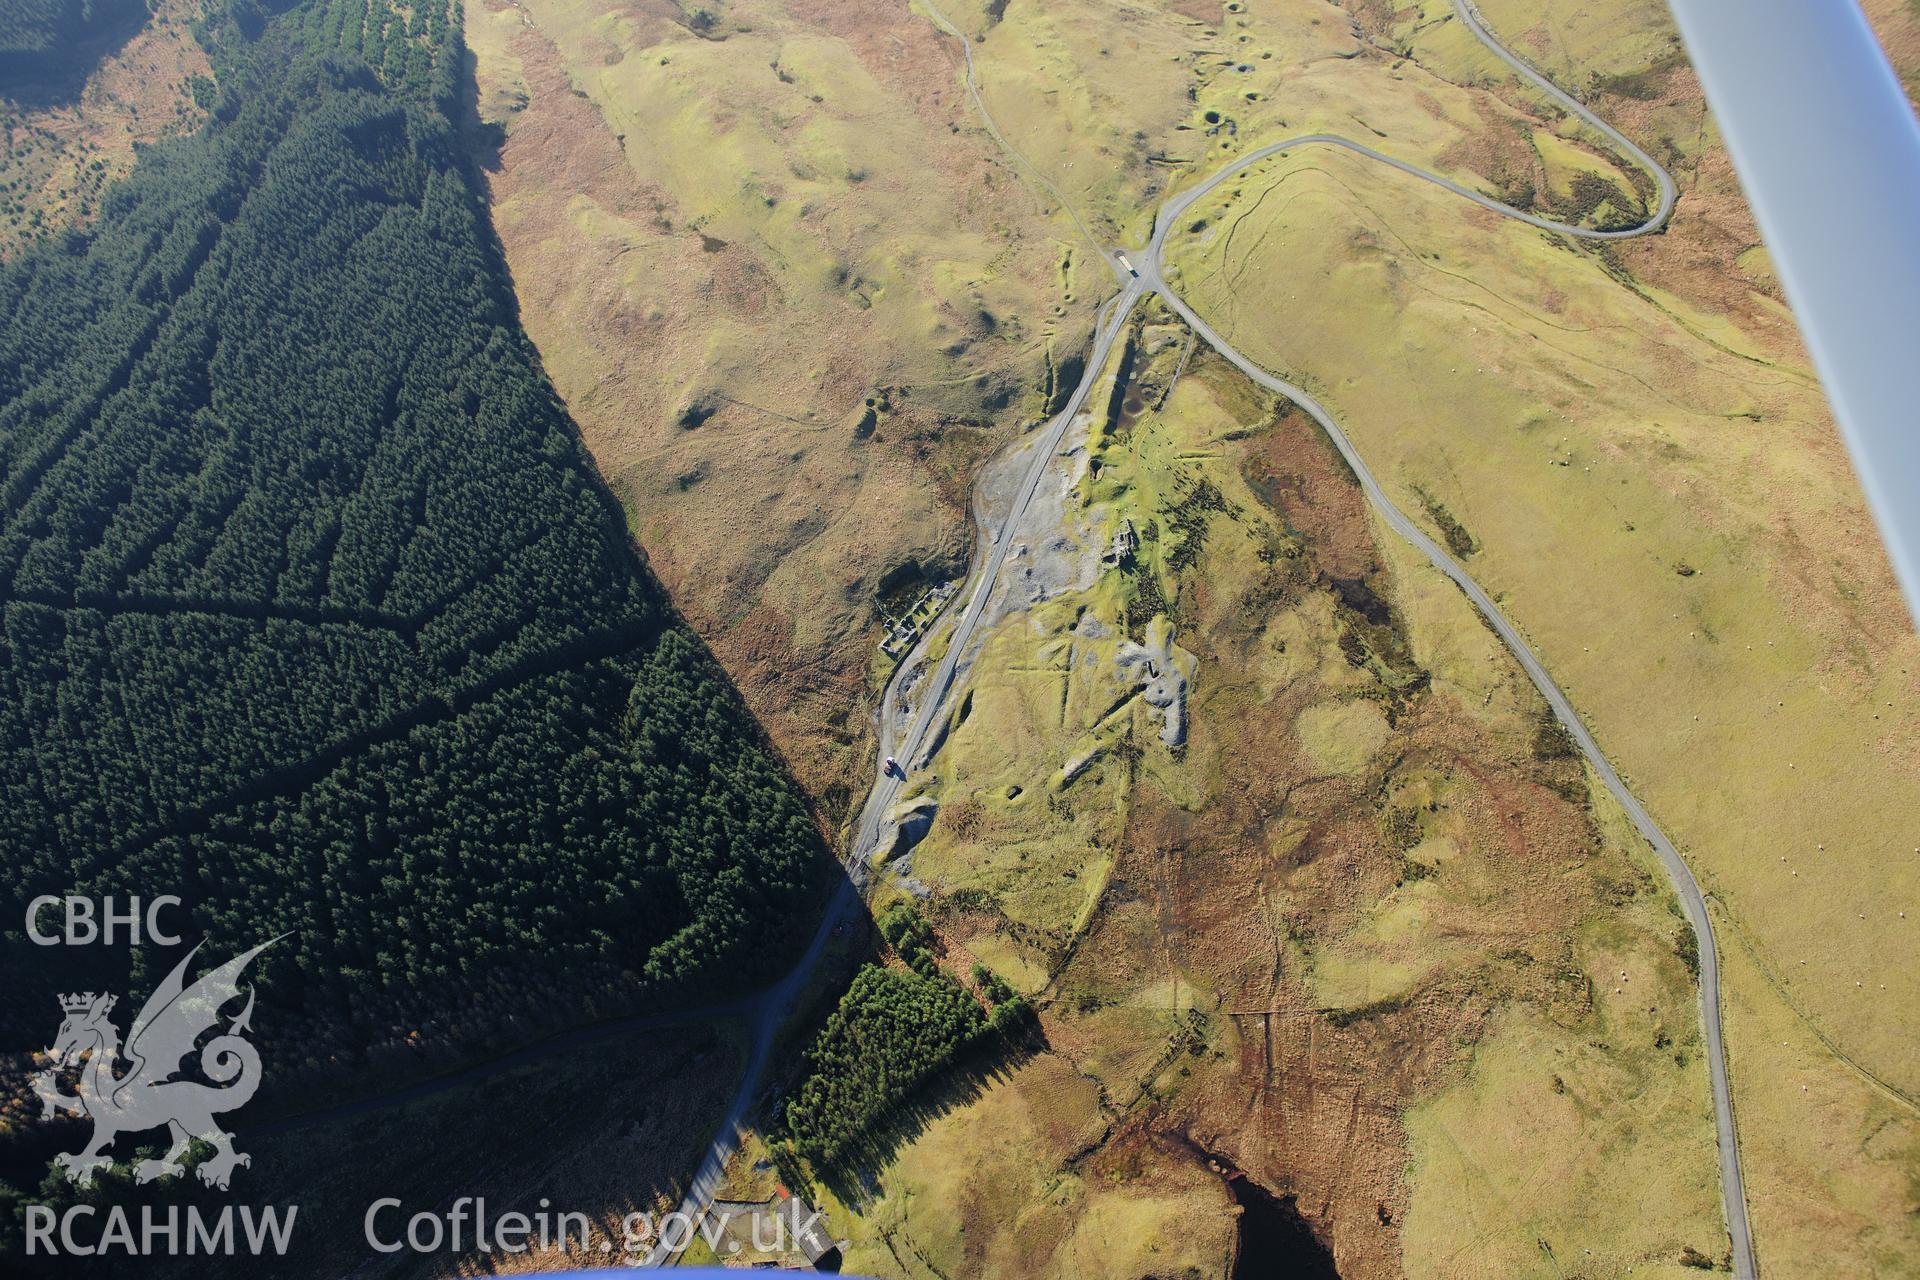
(147, 1096)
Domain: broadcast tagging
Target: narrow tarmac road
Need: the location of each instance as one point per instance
(766, 1012)
(934, 697)
(874, 828)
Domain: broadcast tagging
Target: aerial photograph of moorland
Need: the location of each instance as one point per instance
(960, 639)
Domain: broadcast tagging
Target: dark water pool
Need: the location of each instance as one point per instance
(1275, 1241)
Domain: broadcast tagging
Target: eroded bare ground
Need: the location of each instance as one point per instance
(1364, 938)
(729, 240)
(792, 303)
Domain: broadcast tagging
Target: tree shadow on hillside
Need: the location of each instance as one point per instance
(480, 147)
(38, 79)
(855, 1177)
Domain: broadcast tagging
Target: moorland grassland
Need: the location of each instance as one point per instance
(795, 294)
(1659, 497)
(1482, 1035)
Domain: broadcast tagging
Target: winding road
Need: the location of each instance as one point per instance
(765, 1012)
(874, 826)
